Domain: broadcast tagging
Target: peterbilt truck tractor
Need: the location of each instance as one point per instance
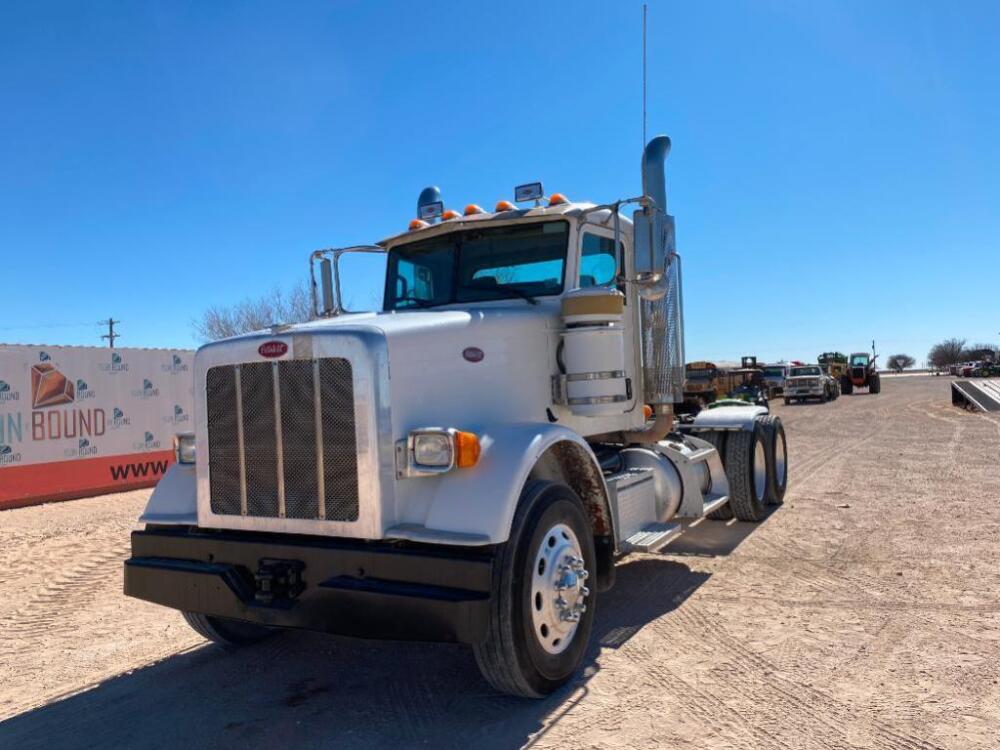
(467, 464)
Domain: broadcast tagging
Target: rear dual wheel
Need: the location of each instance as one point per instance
(756, 464)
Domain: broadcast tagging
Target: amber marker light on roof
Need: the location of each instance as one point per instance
(450, 214)
(472, 208)
(504, 206)
(558, 199)
(418, 224)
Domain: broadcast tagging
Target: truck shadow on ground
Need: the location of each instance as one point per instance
(304, 690)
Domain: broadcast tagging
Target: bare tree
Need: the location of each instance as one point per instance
(900, 362)
(979, 352)
(946, 353)
(254, 314)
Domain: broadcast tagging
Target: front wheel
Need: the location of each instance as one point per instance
(541, 611)
(230, 634)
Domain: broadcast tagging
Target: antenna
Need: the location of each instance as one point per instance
(644, 75)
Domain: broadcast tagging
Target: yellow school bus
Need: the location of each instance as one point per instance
(706, 381)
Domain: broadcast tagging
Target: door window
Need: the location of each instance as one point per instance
(598, 260)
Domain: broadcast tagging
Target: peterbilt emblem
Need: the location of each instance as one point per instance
(272, 349)
(473, 354)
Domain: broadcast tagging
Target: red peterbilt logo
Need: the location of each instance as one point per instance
(272, 349)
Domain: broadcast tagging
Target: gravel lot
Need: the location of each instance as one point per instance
(865, 613)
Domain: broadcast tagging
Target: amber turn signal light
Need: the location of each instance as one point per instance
(466, 449)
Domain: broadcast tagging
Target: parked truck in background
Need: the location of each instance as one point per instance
(466, 464)
(809, 382)
(774, 378)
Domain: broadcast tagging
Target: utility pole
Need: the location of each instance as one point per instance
(110, 335)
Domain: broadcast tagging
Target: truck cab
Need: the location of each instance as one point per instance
(467, 463)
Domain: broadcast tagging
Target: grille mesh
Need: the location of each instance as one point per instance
(340, 454)
(224, 450)
(295, 425)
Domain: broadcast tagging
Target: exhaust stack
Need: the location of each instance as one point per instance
(662, 318)
(654, 183)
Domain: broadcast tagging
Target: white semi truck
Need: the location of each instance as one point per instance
(468, 463)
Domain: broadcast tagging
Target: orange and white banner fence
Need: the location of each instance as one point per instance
(77, 421)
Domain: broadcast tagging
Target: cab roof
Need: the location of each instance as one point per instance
(601, 217)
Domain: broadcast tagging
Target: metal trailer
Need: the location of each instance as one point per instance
(976, 395)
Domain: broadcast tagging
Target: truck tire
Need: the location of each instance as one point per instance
(747, 472)
(230, 634)
(777, 459)
(718, 441)
(533, 645)
(846, 385)
(876, 386)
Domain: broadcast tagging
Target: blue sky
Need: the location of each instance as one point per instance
(835, 172)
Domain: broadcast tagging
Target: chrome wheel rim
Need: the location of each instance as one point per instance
(558, 593)
(780, 460)
(759, 470)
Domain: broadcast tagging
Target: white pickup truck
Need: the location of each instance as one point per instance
(810, 381)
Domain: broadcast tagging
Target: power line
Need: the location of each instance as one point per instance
(47, 325)
(110, 335)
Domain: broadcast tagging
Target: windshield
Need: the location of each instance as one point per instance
(774, 372)
(477, 265)
(859, 360)
(797, 371)
(702, 374)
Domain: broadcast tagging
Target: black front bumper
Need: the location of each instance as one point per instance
(402, 591)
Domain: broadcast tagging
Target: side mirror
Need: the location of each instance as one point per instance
(328, 298)
(326, 281)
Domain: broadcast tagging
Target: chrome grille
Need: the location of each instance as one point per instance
(281, 440)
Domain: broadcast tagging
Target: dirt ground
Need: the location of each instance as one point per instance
(864, 613)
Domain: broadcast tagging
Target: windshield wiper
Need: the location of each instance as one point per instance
(501, 290)
(421, 303)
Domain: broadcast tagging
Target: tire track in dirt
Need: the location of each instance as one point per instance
(791, 698)
(821, 709)
(716, 714)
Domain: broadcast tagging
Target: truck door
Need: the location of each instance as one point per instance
(599, 266)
